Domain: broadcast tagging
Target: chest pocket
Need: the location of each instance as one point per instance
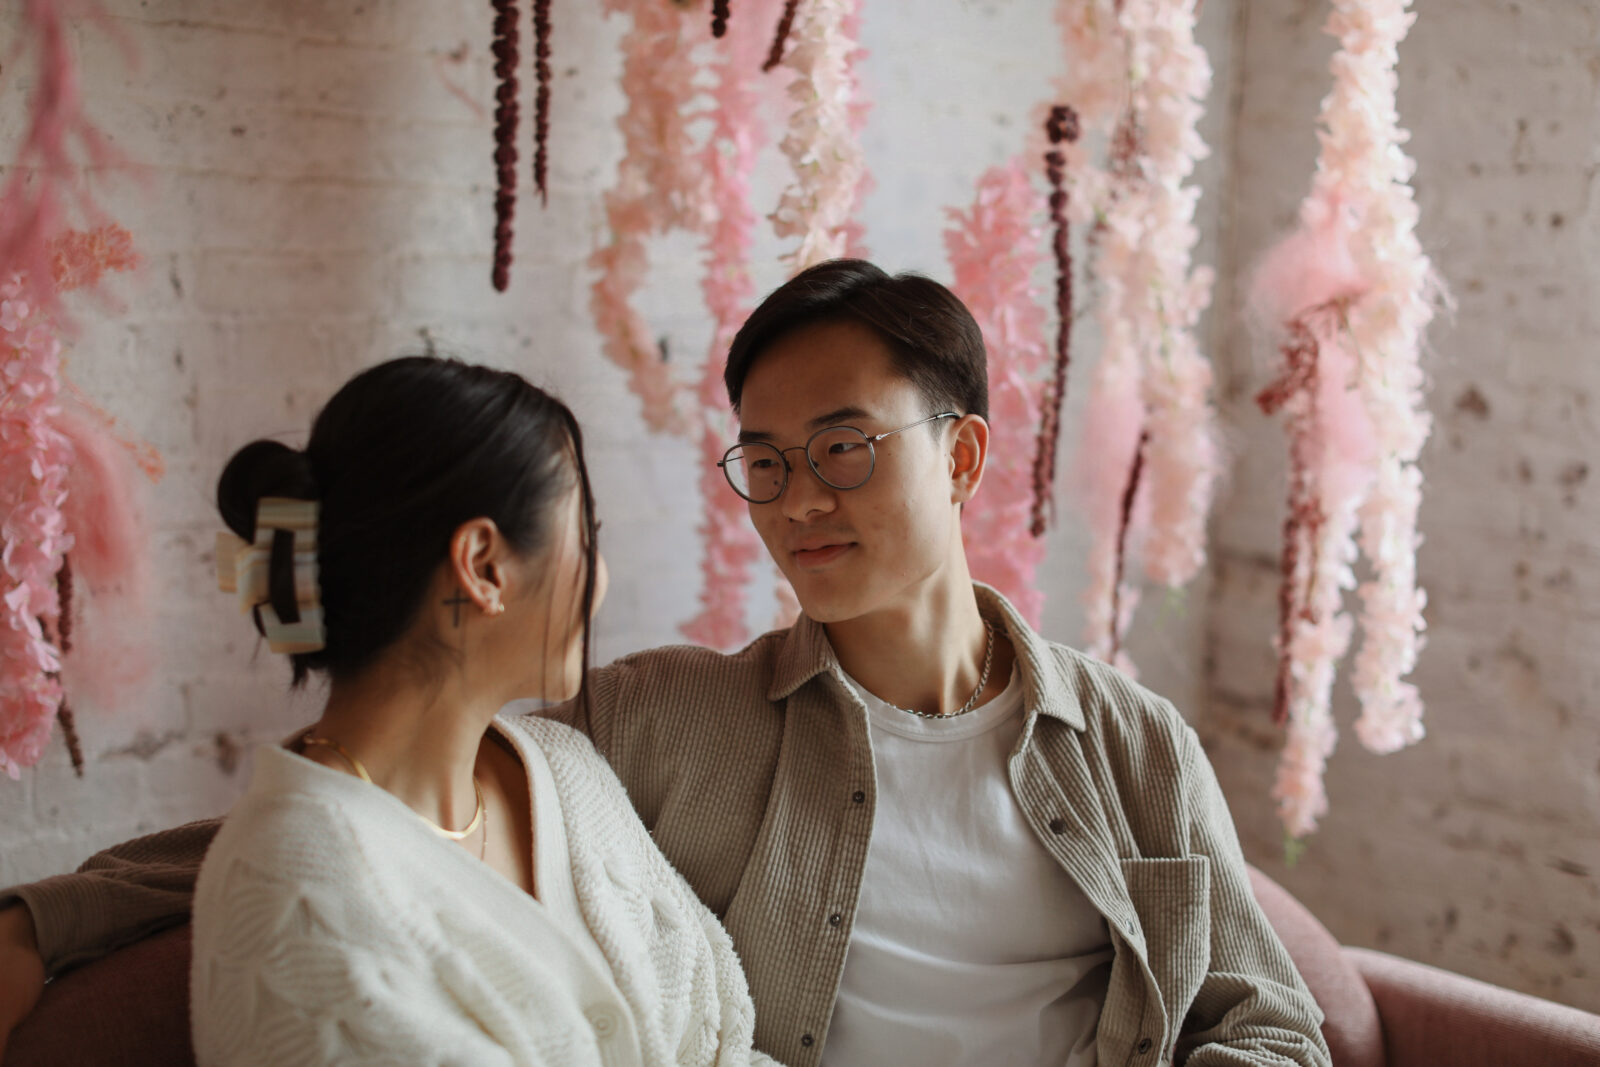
(1173, 901)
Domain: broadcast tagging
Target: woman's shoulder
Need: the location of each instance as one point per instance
(299, 823)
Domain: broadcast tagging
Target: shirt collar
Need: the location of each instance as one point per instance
(1050, 678)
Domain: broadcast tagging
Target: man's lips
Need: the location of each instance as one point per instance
(817, 555)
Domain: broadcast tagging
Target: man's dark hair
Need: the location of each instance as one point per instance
(932, 337)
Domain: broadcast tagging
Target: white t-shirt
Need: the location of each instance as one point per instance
(970, 945)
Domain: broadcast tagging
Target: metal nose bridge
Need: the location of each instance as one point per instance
(788, 469)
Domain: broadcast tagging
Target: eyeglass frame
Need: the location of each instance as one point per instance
(783, 454)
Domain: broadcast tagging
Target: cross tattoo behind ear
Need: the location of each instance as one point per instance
(455, 603)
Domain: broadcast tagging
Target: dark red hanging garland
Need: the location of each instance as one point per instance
(1062, 127)
(504, 50)
(719, 17)
(1304, 517)
(541, 67)
(64, 595)
(781, 37)
(69, 725)
(69, 731)
(1124, 521)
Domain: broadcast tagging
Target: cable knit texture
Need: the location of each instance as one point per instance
(333, 926)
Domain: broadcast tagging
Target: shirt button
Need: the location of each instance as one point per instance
(859, 797)
(1058, 825)
(807, 1040)
(1143, 1046)
(835, 919)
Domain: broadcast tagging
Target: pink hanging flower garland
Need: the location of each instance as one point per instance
(1137, 79)
(32, 210)
(660, 186)
(34, 455)
(36, 460)
(737, 136)
(824, 151)
(1353, 289)
(821, 143)
(993, 251)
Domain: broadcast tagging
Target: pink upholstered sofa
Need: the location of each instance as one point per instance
(130, 1009)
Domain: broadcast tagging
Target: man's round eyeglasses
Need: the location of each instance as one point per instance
(841, 456)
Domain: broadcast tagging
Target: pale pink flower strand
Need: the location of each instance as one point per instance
(660, 186)
(1357, 246)
(1137, 62)
(34, 200)
(823, 148)
(993, 249)
(821, 142)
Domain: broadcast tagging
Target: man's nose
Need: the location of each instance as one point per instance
(806, 495)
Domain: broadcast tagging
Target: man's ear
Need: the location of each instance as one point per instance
(969, 454)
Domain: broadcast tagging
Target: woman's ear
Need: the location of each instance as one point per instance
(969, 453)
(477, 566)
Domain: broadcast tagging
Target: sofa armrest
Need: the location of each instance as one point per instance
(128, 1009)
(1432, 1016)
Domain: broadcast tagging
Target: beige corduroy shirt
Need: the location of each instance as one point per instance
(754, 773)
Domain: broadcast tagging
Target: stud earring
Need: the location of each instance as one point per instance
(494, 607)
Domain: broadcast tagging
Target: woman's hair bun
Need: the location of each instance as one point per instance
(261, 468)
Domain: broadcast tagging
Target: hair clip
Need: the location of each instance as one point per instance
(290, 610)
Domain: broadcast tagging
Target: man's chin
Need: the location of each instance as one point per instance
(825, 601)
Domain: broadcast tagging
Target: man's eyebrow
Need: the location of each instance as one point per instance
(835, 417)
(831, 418)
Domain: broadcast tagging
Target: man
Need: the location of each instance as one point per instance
(933, 836)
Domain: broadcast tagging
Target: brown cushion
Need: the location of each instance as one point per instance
(128, 1009)
(1351, 1027)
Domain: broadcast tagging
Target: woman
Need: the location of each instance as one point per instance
(412, 879)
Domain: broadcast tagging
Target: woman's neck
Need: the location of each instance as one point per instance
(420, 743)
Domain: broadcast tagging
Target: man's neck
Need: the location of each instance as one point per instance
(925, 654)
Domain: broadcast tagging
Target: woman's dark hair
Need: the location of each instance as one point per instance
(933, 339)
(400, 457)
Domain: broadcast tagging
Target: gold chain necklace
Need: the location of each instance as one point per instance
(479, 817)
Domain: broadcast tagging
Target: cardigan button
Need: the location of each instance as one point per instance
(1058, 825)
(859, 797)
(603, 1021)
(835, 919)
(1143, 1046)
(807, 1040)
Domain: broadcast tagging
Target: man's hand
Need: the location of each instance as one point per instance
(21, 969)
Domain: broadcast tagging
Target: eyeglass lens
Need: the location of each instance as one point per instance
(841, 456)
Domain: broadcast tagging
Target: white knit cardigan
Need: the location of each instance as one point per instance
(332, 925)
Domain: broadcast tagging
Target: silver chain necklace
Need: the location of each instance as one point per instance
(983, 681)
